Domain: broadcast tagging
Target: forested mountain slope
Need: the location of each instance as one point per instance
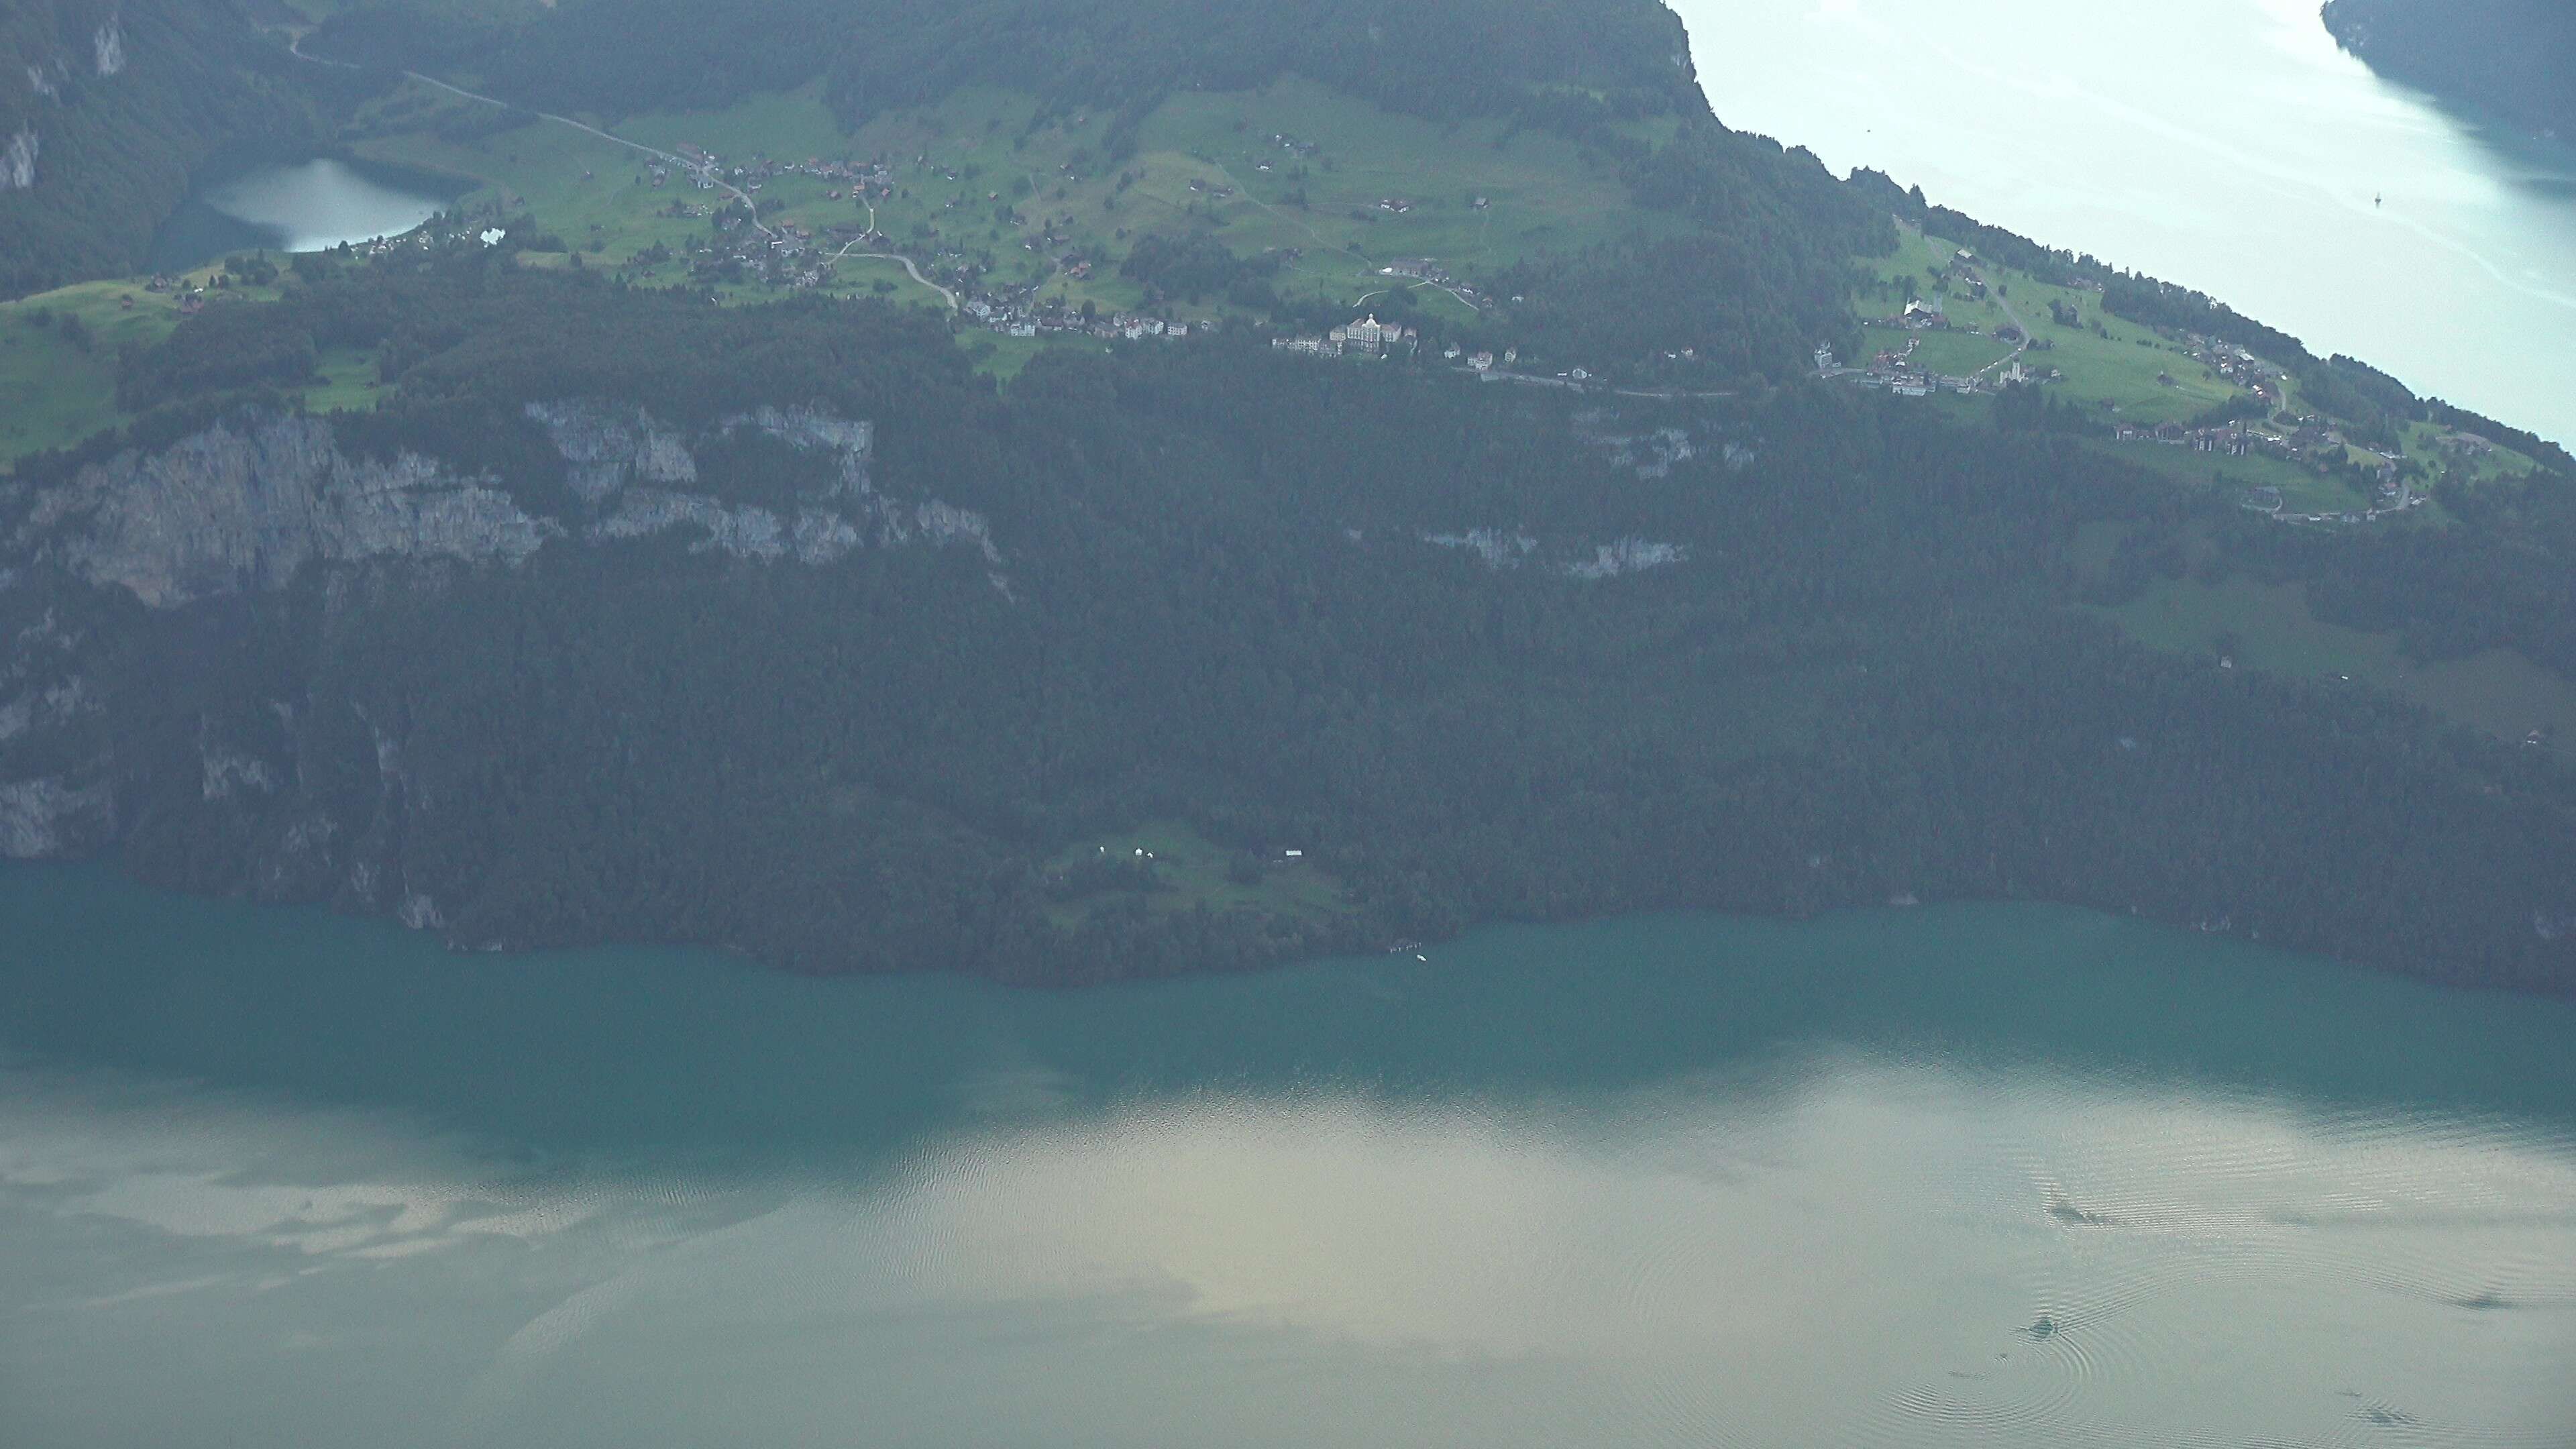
(106, 106)
(1566, 61)
(635, 618)
(2517, 57)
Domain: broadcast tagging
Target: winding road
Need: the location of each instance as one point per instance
(2018, 325)
(915, 272)
(295, 47)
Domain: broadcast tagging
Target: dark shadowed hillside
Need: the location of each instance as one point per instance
(2516, 57)
(106, 106)
(633, 618)
(1567, 62)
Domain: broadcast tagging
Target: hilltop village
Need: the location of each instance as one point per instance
(1031, 230)
(797, 256)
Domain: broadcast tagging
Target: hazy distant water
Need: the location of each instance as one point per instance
(2014, 1176)
(307, 206)
(2225, 144)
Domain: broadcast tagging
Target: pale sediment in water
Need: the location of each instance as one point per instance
(1961, 1175)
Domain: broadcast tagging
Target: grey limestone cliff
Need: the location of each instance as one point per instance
(316, 787)
(634, 471)
(242, 507)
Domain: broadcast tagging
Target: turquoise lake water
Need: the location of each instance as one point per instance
(1977, 1175)
(2225, 144)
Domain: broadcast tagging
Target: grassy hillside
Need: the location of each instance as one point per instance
(2269, 627)
(1163, 866)
(986, 173)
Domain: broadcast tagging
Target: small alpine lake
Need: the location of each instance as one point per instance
(307, 205)
(2011, 1175)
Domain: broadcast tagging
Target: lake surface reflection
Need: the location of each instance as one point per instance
(1975, 1176)
(308, 206)
(2227, 145)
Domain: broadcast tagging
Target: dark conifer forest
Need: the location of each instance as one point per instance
(2515, 58)
(1847, 667)
(110, 107)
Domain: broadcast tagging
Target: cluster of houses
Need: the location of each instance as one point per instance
(786, 255)
(1021, 313)
(2232, 440)
(1368, 337)
(2311, 440)
(2236, 365)
(1485, 361)
(1900, 374)
(190, 296)
(707, 171)
(1429, 271)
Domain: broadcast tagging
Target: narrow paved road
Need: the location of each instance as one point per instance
(945, 295)
(295, 47)
(2018, 325)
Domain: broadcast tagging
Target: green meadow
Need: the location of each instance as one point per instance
(2126, 371)
(56, 389)
(984, 172)
(2269, 627)
(1191, 872)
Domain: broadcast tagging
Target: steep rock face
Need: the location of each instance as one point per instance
(55, 795)
(632, 469)
(608, 448)
(807, 430)
(1501, 550)
(18, 158)
(307, 784)
(238, 508)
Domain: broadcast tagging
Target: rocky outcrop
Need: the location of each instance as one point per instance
(242, 507)
(808, 430)
(1627, 556)
(1498, 549)
(50, 816)
(1501, 550)
(18, 159)
(632, 469)
(608, 449)
(55, 795)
